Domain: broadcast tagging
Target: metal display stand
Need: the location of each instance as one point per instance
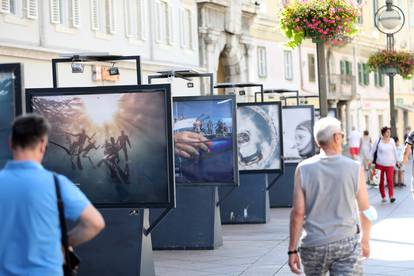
(279, 91)
(126, 229)
(195, 222)
(122, 248)
(249, 203)
(281, 187)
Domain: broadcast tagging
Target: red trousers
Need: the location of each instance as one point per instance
(389, 171)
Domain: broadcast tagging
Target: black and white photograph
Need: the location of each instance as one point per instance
(259, 137)
(298, 142)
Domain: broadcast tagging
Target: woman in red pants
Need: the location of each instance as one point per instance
(386, 153)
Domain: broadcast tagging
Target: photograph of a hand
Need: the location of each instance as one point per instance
(189, 144)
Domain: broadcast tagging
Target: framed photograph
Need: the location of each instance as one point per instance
(114, 142)
(10, 104)
(205, 140)
(298, 139)
(259, 137)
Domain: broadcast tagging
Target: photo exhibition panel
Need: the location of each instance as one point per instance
(298, 139)
(205, 140)
(259, 137)
(114, 142)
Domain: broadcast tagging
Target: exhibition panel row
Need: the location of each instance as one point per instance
(127, 146)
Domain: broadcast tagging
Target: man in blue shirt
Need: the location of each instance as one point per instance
(30, 235)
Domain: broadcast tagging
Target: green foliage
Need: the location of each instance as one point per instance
(325, 20)
(403, 61)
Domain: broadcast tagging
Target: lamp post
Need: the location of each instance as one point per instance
(389, 20)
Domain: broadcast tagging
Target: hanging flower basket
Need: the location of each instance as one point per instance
(393, 62)
(320, 20)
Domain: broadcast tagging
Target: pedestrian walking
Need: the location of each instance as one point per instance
(399, 168)
(408, 152)
(330, 203)
(384, 156)
(407, 132)
(366, 147)
(30, 229)
(354, 141)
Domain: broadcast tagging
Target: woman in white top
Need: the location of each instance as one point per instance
(366, 147)
(386, 159)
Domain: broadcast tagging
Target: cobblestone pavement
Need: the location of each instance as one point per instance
(260, 250)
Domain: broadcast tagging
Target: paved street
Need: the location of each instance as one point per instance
(261, 249)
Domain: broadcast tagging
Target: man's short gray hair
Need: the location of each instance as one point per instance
(325, 129)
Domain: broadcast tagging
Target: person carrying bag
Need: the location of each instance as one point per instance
(385, 158)
(33, 218)
(71, 260)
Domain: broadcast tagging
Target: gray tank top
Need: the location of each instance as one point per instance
(330, 185)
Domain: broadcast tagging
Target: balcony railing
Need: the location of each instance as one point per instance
(342, 87)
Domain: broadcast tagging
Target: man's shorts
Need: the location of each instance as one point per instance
(339, 258)
(354, 151)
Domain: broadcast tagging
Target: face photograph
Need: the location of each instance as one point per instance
(112, 145)
(297, 134)
(258, 137)
(203, 136)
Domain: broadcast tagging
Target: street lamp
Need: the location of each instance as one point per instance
(389, 20)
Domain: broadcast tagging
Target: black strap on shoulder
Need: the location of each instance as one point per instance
(63, 227)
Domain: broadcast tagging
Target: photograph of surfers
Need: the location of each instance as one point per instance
(203, 136)
(112, 145)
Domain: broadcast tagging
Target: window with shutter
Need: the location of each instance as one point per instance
(183, 36)
(142, 12)
(16, 7)
(190, 29)
(94, 15)
(158, 21)
(5, 6)
(381, 79)
(288, 65)
(348, 67)
(311, 68)
(111, 11)
(55, 11)
(376, 78)
(360, 74)
(75, 12)
(129, 15)
(342, 67)
(31, 9)
(261, 58)
(169, 24)
(365, 74)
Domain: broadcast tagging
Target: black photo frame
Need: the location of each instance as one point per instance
(310, 108)
(235, 175)
(167, 200)
(10, 104)
(279, 134)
